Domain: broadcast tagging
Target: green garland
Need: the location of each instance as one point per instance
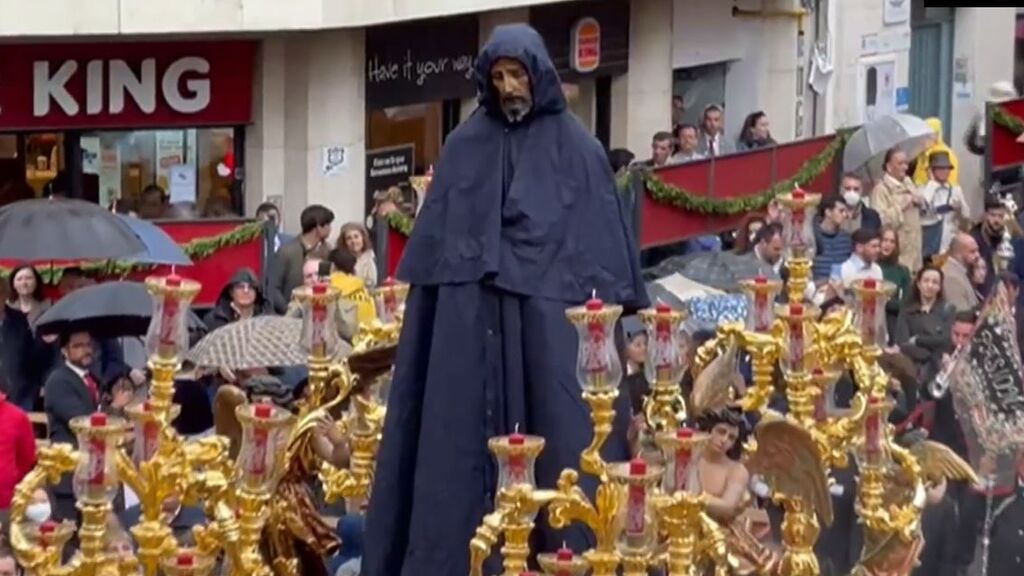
(400, 222)
(196, 249)
(1006, 119)
(681, 198)
(694, 202)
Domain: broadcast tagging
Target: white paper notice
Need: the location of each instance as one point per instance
(182, 183)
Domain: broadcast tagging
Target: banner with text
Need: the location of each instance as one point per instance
(387, 167)
(423, 61)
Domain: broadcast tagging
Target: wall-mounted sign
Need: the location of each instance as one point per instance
(896, 11)
(585, 39)
(125, 84)
(586, 45)
(423, 61)
(387, 167)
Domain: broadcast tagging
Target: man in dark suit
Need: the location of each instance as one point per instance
(72, 391)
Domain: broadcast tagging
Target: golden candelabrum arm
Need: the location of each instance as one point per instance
(53, 462)
(515, 509)
(602, 415)
(691, 535)
(763, 350)
(836, 436)
(365, 426)
(570, 504)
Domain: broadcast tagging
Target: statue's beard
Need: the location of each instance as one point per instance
(515, 108)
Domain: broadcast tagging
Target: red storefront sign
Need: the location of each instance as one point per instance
(125, 85)
(586, 45)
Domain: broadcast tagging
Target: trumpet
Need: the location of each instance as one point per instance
(940, 384)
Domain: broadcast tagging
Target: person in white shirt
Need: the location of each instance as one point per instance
(945, 203)
(686, 145)
(863, 263)
(711, 141)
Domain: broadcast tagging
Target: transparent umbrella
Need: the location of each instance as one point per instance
(865, 151)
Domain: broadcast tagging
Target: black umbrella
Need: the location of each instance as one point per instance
(107, 310)
(43, 230)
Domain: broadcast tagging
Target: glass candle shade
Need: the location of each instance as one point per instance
(167, 336)
(874, 450)
(825, 401)
(389, 299)
(562, 563)
(636, 526)
(798, 209)
(598, 368)
(96, 479)
(664, 358)
(796, 340)
(869, 299)
(147, 428)
(760, 293)
(516, 455)
(259, 457)
(677, 448)
(319, 331)
(187, 562)
(50, 534)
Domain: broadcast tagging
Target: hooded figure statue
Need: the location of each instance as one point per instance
(522, 220)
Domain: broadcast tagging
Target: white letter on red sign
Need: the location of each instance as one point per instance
(45, 87)
(142, 88)
(199, 88)
(94, 87)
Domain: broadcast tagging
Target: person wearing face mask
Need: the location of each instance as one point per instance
(861, 215)
(39, 508)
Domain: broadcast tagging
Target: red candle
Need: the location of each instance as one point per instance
(663, 308)
(516, 439)
(516, 462)
(870, 284)
(318, 339)
(185, 560)
(48, 527)
(872, 431)
(760, 280)
(320, 288)
(636, 503)
(799, 194)
(388, 282)
(564, 554)
(168, 333)
(97, 453)
(796, 310)
(150, 434)
(682, 458)
(260, 435)
(173, 281)
(594, 305)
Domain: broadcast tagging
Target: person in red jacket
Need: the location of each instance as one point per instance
(17, 446)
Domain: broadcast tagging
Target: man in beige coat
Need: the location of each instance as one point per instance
(956, 283)
(899, 205)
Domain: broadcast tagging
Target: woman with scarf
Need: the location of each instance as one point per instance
(899, 205)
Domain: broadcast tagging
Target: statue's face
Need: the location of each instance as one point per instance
(724, 437)
(512, 83)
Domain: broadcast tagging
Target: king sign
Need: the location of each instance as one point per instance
(184, 85)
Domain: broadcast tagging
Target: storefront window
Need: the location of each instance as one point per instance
(194, 167)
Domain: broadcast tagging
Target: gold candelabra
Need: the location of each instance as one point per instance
(812, 355)
(641, 515)
(235, 494)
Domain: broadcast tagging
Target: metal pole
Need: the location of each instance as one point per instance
(989, 485)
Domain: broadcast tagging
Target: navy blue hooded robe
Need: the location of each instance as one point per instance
(521, 221)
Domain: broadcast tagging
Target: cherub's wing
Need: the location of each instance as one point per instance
(713, 388)
(224, 420)
(937, 461)
(788, 459)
